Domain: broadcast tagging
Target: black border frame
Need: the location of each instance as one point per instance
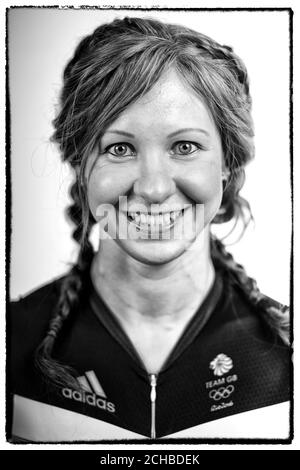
(8, 229)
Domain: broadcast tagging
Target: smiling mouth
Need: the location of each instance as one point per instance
(157, 222)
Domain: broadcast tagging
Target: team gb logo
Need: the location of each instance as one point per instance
(221, 364)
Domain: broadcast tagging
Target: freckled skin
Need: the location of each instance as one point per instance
(154, 174)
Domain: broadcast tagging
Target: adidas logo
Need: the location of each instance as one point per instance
(93, 394)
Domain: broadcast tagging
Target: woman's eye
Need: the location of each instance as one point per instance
(185, 148)
(120, 150)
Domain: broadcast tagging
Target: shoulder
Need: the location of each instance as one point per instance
(33, 310)
(28, 318)
(262, 317)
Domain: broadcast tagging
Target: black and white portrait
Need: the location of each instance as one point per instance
(150, 225)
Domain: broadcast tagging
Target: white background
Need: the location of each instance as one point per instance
(266, 260)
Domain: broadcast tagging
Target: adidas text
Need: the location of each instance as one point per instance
(90, 399)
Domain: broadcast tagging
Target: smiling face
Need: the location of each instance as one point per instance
(163, 153)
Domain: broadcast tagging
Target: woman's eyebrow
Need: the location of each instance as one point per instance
(187, 129)
(127, 134)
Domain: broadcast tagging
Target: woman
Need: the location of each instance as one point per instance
(160, 333)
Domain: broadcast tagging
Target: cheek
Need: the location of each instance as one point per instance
(106, 186)
(202, 184)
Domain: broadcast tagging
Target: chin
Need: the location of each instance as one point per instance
(155, 252)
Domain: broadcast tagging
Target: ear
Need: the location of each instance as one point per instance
(225, 174)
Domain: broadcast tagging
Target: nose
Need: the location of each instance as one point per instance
(154, 186)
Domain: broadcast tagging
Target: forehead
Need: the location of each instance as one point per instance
(169, 103)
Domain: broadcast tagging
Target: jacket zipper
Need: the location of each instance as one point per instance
(153, 382)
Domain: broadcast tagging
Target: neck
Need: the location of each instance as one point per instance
(167, 294)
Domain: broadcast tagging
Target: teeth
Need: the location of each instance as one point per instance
(155, 220)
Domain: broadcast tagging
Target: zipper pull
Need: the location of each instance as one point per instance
(153, 382)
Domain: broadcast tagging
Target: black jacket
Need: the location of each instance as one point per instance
(227, 376)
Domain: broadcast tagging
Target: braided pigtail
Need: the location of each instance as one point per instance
(71, 289)
(274, 314)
